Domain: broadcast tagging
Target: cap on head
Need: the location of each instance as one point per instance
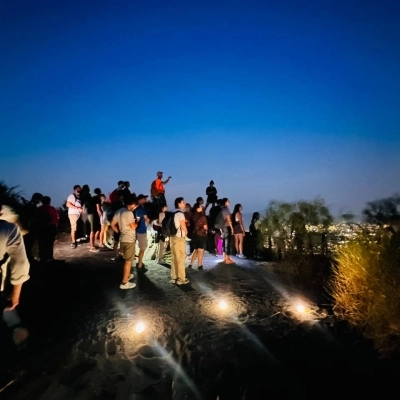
(159, 173)
(142, 196)
(211, 182)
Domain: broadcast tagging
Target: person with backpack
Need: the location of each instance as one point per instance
(199, 238)
(223, 221)
(174, 227)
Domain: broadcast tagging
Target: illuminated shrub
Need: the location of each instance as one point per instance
(366, 287)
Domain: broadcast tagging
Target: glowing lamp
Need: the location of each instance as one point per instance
(222, 305)
(300, 308)
(139, 328)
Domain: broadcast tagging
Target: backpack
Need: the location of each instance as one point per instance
(219, 220)
(168, 228)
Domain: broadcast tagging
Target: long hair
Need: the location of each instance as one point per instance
(255, 217)
(235, 211)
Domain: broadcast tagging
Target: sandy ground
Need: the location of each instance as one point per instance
(84, 345)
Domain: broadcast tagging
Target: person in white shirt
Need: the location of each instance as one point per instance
(74, 212)
(125, 224)
(13, 255)
(178, 244)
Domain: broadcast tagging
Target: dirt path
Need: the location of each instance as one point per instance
(84, 343)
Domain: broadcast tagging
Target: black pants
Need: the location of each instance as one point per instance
(47, 237)
(226, 240)
(29, 241)
(159, 200)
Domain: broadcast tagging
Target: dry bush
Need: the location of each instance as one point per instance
(366, 288)
(308, 271)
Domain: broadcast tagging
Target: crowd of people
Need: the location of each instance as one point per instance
(125, 218)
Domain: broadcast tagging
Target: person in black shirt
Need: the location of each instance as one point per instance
(214, 211)
(211, 193)
(29, 223)
(94, 215)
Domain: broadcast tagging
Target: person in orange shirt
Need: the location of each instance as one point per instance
(157, 190)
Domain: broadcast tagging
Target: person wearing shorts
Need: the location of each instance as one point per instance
(141, 231)
(104, 220)
(124, 224)
(199, 238)
(74, 212)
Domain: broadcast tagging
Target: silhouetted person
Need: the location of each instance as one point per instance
(94, 215)
(29, 222)
(212, 216)
(126, 192)
(85, 198)
(227, 231)
(47, 217)
(211, 193)
(256, 236)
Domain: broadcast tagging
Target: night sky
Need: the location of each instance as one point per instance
(282, 100)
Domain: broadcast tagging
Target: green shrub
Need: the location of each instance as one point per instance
(365, 287)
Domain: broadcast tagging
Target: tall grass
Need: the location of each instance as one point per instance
(366, 288)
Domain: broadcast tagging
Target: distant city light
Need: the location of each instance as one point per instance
(140, 327)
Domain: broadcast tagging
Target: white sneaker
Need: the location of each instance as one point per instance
(127, 285)
(131, 276)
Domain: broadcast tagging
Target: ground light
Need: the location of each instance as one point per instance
(222, 305)
(300, 308)
(140, 327)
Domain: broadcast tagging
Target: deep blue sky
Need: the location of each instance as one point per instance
(283, 100)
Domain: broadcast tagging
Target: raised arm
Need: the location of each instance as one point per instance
(167, 180)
